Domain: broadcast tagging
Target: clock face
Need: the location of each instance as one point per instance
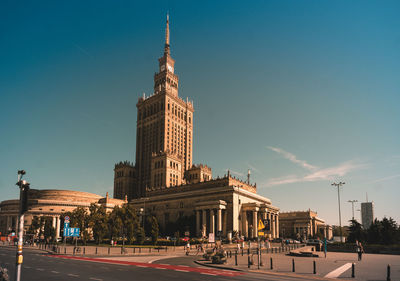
(170, 68)
(163, 67)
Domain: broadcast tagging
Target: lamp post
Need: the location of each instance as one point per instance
(338, 185)
(352, 206)
(23, 207)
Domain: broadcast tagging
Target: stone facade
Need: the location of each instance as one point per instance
(227, 204)
(50, 203)
(303, 224)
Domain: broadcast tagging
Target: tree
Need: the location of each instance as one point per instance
(154, 229)
(389, 231)
(49, 231)
(80, 218)
(139, 235)
(356, 233)
(34, 227)
(98, 222)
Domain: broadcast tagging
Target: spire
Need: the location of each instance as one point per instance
(166, 48)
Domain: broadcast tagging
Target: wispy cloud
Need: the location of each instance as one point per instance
(82, 50)
(251, 167)
(386, 178)
(316, 173)
(327, 174)
(235, 172)
(291, 157)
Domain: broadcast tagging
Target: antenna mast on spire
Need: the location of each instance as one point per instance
(166, 48)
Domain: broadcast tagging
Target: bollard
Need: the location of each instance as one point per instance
(353, 269)
(149, 249)
(242, 252)
(134, 250)
(96, 250)
(140, 250)
(388, 273)
(272, 267)
(84, 250)
(248, 261)
(108, 250)
(236, 259)
(65, 250)
(248, 251)
(293, 268)
(314, 267)
(158, 249)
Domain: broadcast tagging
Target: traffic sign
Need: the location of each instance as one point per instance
(66, 219)
(260, 225)
(71, 232)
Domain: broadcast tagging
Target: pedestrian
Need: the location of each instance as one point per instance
(112, 242)
(187, 248)
(238, 247)
(325, 247)
(360, 250)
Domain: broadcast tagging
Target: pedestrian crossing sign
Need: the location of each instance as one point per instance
(261, 225)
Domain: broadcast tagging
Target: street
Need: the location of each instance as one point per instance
(39, 266)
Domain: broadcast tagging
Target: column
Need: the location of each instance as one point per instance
(197, 223)
(325, 231)
(53, 222)
(224, 222)
(219, 220)
(273, 229)
(212, 221)
(204, 222)
(255, 224)
(244, 224)
(264, 215)
(277, 225)
(8, 224)
(58, 227)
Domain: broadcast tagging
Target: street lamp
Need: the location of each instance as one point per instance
(338, 185)
(352, 205)
(23, 207)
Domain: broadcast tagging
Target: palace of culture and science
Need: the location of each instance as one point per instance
(165, 181)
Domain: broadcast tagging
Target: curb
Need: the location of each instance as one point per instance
(219, 267)
(291, 275)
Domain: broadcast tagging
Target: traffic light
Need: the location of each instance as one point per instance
(24, 198)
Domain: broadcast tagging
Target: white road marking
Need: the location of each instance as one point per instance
(208, 273)
(338, 271)
(55, 271)
(141, 266)
(97, 279)
(73, 275)
(40, 269)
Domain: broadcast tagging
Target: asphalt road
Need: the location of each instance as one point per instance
(38, 266)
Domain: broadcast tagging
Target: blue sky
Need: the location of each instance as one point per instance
(303, 93)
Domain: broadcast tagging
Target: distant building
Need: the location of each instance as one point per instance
(50, 203)
(303, 224)
(367, 214)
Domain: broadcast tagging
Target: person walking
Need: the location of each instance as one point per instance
(360, 250)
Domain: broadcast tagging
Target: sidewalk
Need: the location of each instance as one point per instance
(372, 267)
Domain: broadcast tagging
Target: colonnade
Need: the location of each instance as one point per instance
(250, 230)
(217, 220)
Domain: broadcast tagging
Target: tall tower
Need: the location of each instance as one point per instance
(164, 130)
